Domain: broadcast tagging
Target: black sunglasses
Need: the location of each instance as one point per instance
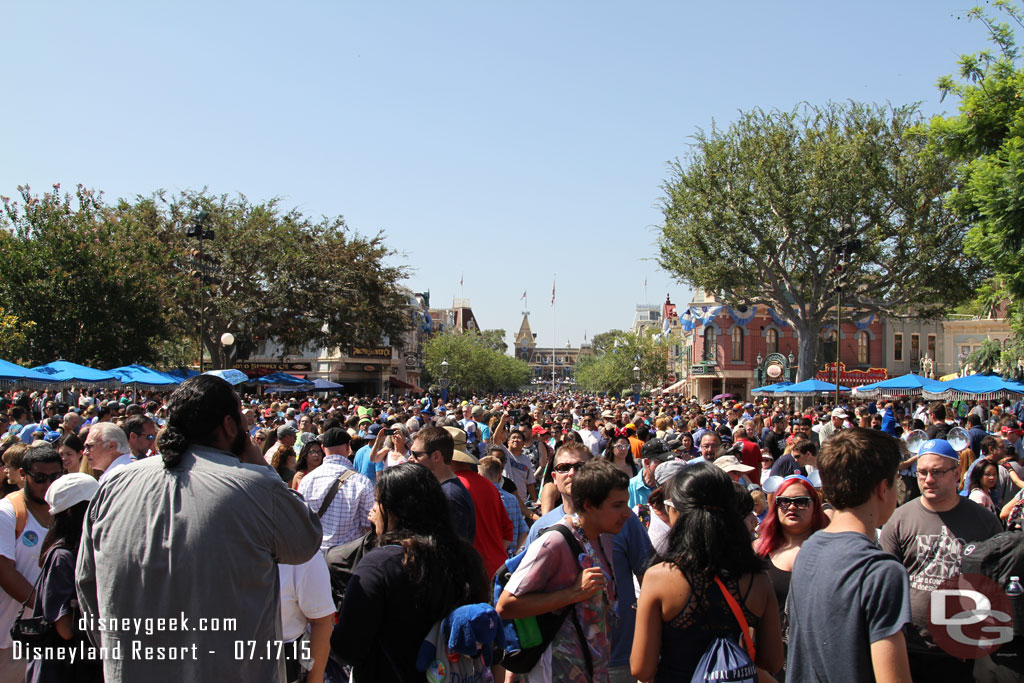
(799, 502)
(43, 478)
(567, 466)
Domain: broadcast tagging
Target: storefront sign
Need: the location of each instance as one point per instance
(273, 366)
(371, 352)
(852, 378)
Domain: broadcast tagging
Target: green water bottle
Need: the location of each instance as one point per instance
(528, 632)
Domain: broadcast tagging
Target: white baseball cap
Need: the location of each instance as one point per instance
(70, 490)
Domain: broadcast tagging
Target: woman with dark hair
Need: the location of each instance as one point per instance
(418, 573)
(687, 447)
(984, 478)
(56, 600)
(70, 448)
(794, 514)
(310, 457)
(682, 609)
(618, 453)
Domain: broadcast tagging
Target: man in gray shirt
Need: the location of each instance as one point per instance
(177, 571)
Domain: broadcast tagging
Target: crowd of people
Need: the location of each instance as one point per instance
(812, 536)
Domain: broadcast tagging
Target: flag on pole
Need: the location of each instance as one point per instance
(461, 278)
(523, 297)
(552, 291)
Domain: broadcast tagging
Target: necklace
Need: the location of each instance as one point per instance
(590, 558)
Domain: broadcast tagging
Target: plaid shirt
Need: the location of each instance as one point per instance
(346, 518)
(515, 513)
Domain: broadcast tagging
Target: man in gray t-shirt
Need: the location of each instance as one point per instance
(927, 535)
(849, 600)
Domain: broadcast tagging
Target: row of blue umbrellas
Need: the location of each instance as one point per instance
(139, 376)
(971, 387)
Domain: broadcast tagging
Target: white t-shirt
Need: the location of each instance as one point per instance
(519, 469)
(25, 552)
(305, 595)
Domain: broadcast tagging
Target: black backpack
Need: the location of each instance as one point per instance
(998, 558)
(521, 660)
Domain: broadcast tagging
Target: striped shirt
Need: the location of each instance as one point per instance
(347, 517)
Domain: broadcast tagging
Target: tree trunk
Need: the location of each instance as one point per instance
(807, 350)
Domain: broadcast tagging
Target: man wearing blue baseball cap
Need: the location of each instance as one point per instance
(927, 534)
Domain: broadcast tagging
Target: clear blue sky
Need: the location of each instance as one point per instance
(502, 142)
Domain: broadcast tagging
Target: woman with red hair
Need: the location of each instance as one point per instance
(795, 513)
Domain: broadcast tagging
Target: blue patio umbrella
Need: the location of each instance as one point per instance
(283, 379)
(326, 385)
(11, 372)
(182, 374)
(809, 387)
(230, 376)
(71, 373)
(974, 387)
(906, 385)
(771, 388)
(145, 378)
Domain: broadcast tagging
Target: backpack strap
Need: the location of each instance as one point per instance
(334, 491)
(17, 499)
(576, 549)
(738, 613)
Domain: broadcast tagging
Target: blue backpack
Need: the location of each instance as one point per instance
(725, 661)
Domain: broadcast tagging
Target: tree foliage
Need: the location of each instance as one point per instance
(987, 137)
(611, 368)
(81, 276)
(283, 276)
(474, 366)
(14, 336)
(110, 285)
(764, 212)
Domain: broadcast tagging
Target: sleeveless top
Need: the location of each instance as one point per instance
(705, 617)
(780, 579)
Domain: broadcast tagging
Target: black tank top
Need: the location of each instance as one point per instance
(705, 617)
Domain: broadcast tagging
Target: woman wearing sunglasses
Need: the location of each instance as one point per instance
(619, 453)
(794, 514)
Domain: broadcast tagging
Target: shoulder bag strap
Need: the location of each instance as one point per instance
(17, 499)
(576, 549)
(738, 613)
(333, 492)
(35, 586)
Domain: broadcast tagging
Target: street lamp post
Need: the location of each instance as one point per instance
(444, 381)
(636, 382)
(227, 340)
(758, 371)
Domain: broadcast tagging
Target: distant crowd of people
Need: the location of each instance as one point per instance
(812, 538)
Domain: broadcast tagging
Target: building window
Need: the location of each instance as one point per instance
(897, 348)
(915, 348)
(772, 341)
(737, 342)
(863, 348)
(931, 346)
(710, 344)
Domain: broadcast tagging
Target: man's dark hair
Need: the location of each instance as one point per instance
(974, 420)
(16, 413)
(194, 412)
(778, 420)
(135, 424)
(989, 444)
(805, 446)
(701, 421)
(41, 454)
(594, 481)
(437, 439)
(854, 462)
(937, 410)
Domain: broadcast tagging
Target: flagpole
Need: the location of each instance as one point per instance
(553, 342)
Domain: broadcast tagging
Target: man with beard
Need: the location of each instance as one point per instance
(24, 520)
(189, 543)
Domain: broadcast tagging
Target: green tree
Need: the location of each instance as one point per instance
(611, 370)
(987, 137)
(277, 275)
(987, 357)
(14, 336)
(767, 211)
(81, 275)
(603, 341)
(495, 340)
(473, 365)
